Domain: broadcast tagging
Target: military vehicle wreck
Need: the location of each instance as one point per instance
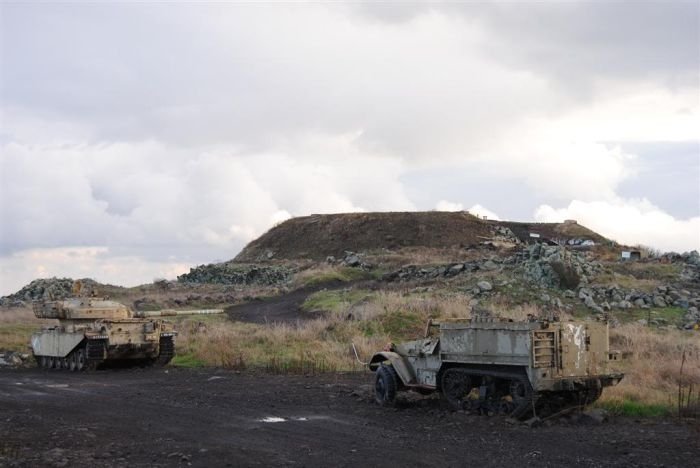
(94, 331)
(498, 366)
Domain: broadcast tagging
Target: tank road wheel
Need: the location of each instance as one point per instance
(518, 391)
(44, 362)
(385, 385)
(523, 397)
(456, 386)
(52, 362)
(78, 362)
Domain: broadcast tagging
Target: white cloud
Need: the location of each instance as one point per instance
(279, 217)
(444, 205)
(630, 222)
(171, 206)
(98, 263)
(483, 212)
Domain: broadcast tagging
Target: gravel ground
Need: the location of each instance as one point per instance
(177, 417)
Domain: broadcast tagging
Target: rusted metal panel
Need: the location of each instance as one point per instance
(504, 343)
(574, 358)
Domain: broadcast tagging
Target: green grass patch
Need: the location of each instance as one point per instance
(402, 325)
(648, 271)
(635, 408)
(668, 315)
(333, 300)
(187, 360)
(342, 274)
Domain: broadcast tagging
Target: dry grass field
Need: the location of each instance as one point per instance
(369, 320)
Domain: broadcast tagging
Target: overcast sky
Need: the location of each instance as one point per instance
(139, 139)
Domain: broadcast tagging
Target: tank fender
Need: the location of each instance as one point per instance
(400, 364)
(57, 344)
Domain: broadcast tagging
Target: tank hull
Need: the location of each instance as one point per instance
(140, 341)
(93, 331)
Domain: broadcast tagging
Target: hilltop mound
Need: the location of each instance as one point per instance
(318, 236)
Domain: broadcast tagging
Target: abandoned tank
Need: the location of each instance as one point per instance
(94, 331)
(492, 365)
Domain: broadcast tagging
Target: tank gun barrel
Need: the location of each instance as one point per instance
(173, 313)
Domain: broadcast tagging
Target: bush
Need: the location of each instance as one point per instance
(568, 276)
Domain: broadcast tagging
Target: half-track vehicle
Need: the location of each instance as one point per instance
(94, 331)
(498, 366)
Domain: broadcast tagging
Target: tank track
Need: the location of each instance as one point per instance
(521, 400)
(76, 360)
(166, 351)
(95, 350)
(517, 407)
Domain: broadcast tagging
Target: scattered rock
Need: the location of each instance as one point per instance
(554, 266)
(15, 359)
(533, 422)
(234, 273)
(48, 289)
(484, 286)
(595, 415)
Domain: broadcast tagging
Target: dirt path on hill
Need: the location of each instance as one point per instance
(210, 418)
(285, 308)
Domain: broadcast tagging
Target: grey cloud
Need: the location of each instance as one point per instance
(667, 173)
(430, 85)
(240, 75)
(575, 42)
(579, 42)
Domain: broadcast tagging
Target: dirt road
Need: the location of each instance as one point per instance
(286, 308)
(219, 418)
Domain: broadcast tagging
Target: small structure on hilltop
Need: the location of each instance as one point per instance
(630, 255)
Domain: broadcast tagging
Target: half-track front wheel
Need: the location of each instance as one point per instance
(385, 385)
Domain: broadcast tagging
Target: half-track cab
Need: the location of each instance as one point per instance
(496, 365)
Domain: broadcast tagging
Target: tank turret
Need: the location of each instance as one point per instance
(92, 331)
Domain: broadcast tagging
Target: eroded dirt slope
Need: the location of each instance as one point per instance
(318, 236)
